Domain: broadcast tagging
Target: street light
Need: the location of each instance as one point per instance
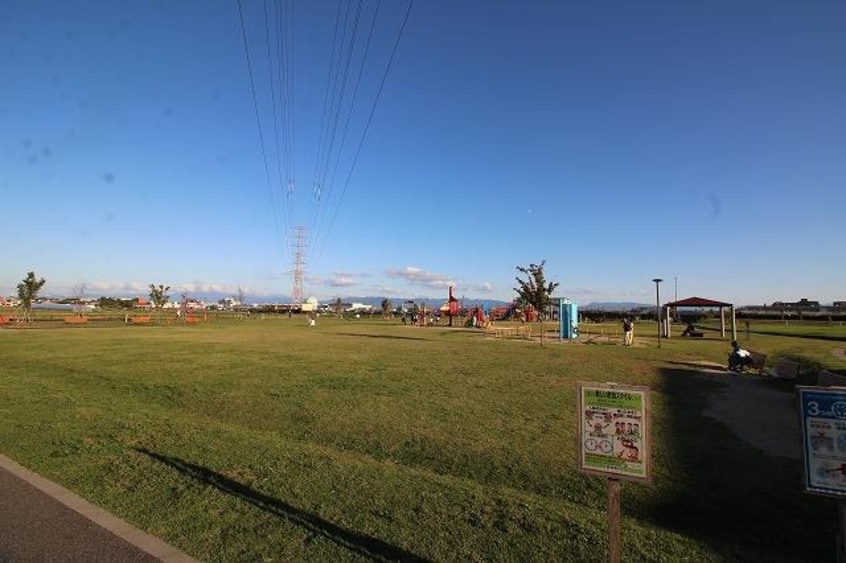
(658, 308)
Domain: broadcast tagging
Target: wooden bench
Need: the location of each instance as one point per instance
(758, 362)
(499, 332)
(76, 320)
(692, 332)
(524, 331)
(787, 370)
(140, 320)
(828, 379)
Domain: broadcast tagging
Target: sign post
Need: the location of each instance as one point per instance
(614, 442)
(822, 411)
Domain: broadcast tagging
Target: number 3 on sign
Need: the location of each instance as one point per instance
(813, 408)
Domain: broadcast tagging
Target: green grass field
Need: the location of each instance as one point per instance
(266, 439)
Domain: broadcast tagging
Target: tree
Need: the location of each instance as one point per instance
(28, 291)
(534, 290)
(159, 296)
(240, 297)
(78, 292)
(386, 307)
(339, 307)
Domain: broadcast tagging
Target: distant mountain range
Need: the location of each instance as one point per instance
(615, 306)
(376, 301)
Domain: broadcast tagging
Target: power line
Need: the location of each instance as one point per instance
(341, 95)
(331, 182)
(326, 97)
(369, 119)
(284, 30)
(275, 119)
(258, 122)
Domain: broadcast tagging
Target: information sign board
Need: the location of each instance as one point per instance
(614, 429)
(823, 416)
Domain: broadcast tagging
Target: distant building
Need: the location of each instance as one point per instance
(839, 304)
(802, 305)
(310, 305)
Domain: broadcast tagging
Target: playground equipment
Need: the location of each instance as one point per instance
(453, 306)
(568, 319)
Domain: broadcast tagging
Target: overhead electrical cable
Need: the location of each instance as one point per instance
(338, 93)
(369, 121)
(258, 123)
(285, 101)
(334, 169)
(342, 89)
(326, 97)
(275, 119)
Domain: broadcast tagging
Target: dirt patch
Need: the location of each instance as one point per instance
(757, 411)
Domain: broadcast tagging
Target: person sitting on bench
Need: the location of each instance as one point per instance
(738, 358)
(689, 330)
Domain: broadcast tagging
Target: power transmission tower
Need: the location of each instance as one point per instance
(299, 265)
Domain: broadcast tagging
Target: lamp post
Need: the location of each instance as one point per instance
(658, 307)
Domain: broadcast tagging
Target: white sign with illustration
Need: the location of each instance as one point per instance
(823, 415)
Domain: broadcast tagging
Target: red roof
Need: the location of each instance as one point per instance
(697, 302)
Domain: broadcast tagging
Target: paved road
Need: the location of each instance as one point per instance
(41, 521)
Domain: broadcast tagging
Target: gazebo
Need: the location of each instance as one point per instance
(699, 303)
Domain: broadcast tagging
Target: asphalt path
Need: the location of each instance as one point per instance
(41, 521)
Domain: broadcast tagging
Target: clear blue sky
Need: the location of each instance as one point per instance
(703, 141)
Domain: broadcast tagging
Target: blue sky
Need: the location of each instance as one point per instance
(702, 141)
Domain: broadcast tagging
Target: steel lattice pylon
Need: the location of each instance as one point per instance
(299, 265)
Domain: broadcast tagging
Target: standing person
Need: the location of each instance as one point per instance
(628, 331)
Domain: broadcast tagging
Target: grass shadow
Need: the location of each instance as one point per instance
(380, 336)
(812, 336)
(361, 544)
(726, 493)
(714, 366)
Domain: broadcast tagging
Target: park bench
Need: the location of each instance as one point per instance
(828, 379)
(692, 332)
(140, 320)
(76, 320)
(8, 320)
(786, 370)
(500, 332)
(524, 331)
(758, 362)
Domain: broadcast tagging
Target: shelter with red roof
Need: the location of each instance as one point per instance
(702, 303)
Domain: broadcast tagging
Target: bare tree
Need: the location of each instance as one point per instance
(240, 298)
(78, 293)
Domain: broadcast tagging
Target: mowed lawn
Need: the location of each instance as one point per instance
(271, 440)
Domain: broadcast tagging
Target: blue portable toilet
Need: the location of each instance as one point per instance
(568, 318)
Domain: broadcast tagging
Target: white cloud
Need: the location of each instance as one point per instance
(385, 290)
(484, 287)
(341, 281)
(419, 277)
